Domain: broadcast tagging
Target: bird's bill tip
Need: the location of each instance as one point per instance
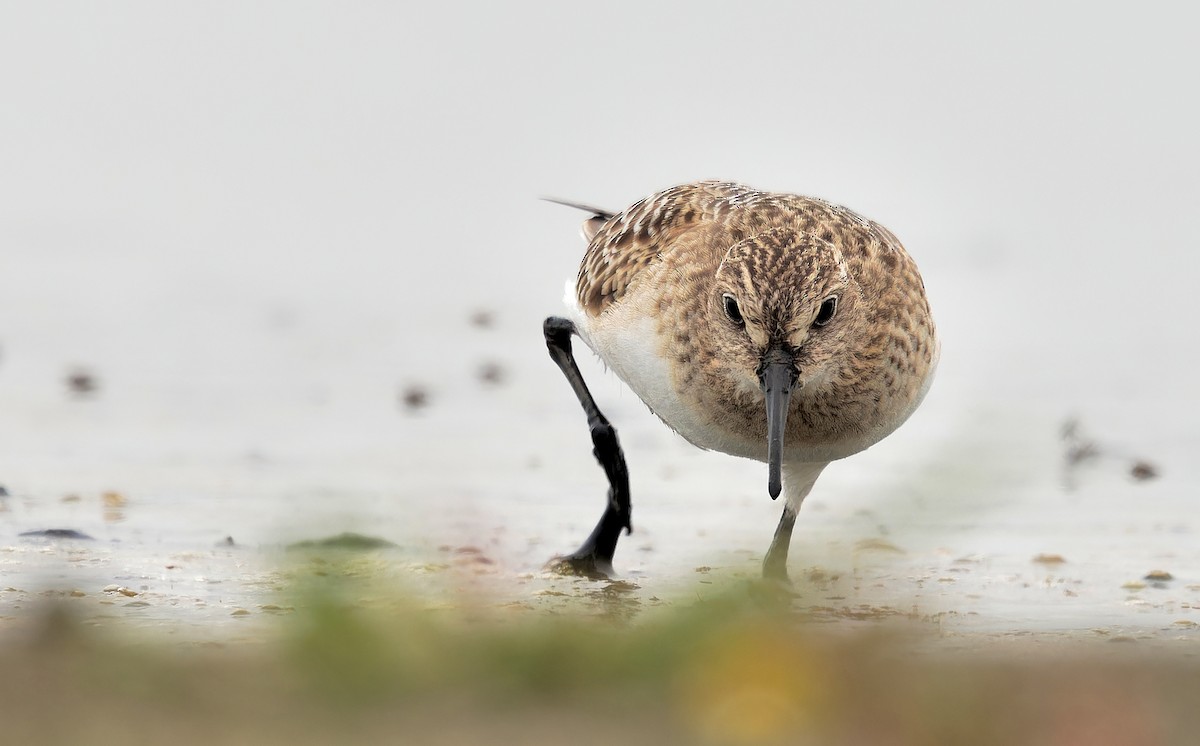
(778, 379)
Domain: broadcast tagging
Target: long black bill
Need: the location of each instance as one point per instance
(778, 377)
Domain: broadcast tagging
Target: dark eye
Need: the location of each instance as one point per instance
(828, 309)
(731, 309)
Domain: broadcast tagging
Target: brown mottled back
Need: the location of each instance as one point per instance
(637, 237)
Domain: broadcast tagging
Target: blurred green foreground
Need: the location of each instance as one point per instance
(736, 668)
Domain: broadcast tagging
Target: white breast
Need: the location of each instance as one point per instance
(626, 337)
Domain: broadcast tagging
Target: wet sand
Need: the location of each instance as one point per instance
(963, 532)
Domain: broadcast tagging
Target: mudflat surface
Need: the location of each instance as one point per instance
(980, 517)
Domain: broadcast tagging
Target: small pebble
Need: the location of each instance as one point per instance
(492, 374)
(81, 383)
(483, 319)
(414, 398)
(1143, 471)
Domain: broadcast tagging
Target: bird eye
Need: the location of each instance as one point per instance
(828, 309)
(731, 309)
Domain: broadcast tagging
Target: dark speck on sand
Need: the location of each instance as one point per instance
(1143, 470)
(492, 374)
(81, 383)
(483, 319)
(414, 397)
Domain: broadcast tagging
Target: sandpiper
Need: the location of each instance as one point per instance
(769, 326)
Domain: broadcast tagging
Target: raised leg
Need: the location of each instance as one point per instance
(775, 563)
(594, 557)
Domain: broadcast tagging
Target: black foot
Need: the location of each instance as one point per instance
(583, 563)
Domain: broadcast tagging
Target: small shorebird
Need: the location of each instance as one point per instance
(769, 326)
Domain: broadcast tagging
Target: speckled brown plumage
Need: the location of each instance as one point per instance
(690, 244)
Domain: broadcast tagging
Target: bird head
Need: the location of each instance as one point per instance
(781, 302)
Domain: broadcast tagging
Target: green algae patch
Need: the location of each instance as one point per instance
(347, 540)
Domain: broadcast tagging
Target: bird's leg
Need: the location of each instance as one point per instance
(775, 563)
(594, 557)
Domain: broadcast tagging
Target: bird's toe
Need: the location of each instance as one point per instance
(583, 563)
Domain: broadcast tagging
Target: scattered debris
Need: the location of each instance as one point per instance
(414, 397)
(620, 586)
(1049, 559)
(276, 608)
(877, 545)
(492, 374)
(1142, 471)
(1158, 575)
(81, 383)
(113, 506)
(1081, 449)
(114, 588)
(483, 319)
(473, 555)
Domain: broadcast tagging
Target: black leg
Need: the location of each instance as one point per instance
(594, 558)
(775, 563)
